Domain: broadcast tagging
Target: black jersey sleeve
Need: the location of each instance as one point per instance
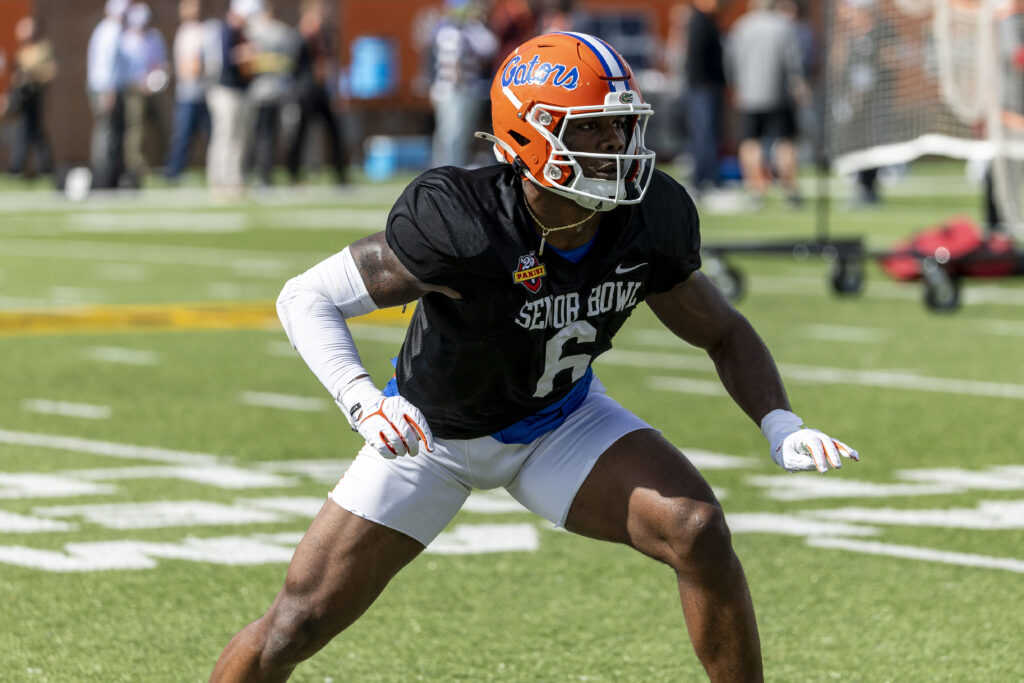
(673, 218)
(418, 233)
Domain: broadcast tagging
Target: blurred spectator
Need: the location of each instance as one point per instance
(106, 78)
(866, 66)
(867, 187)
(807, 114)
(512, 22)
(273, 48)
(705, 83)
(673, 110)
(462, 51)
(763, 60)
(314, 72)
(145, 56)
(556, 15)
(191, 118)
(33, 68)
(226, 97)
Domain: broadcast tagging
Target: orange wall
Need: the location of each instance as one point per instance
(10, 12)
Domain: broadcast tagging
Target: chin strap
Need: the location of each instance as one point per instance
(591, 203)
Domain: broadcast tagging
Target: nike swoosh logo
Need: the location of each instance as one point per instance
(621, 270)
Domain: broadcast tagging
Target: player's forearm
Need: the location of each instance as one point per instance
(313, 308)
(748, 372)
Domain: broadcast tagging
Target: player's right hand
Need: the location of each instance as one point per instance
(394, 427)
(795, 448)
(807, 449)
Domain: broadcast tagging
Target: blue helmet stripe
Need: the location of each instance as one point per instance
(605, 54)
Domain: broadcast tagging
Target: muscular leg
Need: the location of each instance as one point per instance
(643, 492)
(338, 570)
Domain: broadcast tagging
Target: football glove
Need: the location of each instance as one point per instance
(795, 448)
(390, 424)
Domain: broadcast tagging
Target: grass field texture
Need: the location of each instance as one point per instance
(162, 449)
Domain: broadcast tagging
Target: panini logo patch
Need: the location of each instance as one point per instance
(529, 272)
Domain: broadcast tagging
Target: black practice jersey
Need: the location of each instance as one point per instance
(527, 326)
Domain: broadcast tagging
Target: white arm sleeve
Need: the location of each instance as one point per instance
(313, 307)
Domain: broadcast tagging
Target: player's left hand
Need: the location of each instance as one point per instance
(796, 448)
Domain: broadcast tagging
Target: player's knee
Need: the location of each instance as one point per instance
(295, 629)
(697, 536)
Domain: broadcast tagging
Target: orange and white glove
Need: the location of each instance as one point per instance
(795, 448)
(390, 424)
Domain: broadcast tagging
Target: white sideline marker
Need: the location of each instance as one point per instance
(84, 411)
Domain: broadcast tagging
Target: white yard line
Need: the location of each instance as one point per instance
(390, 334)
(973, 291)
(380, 333)
(157, 199)
(284, 401)
(909, 552)
(85, 411)
(161, 254)
(13, 523)
(324, 219)
(987, 516)
(77, 295)
(165, 221)
(684, 385)
(11, 302)
(844, 333)
(827, 375)
(107, 448)
(121, 272)
(116, 354)
(1000, 328)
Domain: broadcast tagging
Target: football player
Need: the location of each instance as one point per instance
(524, 271)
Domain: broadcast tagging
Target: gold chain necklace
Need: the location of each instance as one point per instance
(545, 230)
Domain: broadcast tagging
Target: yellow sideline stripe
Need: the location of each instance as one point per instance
(221, 315)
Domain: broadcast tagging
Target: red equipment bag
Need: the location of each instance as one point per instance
(958, 245)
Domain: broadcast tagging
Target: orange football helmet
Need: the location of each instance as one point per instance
(550, 80)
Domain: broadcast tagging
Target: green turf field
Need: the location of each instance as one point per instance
(162, 449)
